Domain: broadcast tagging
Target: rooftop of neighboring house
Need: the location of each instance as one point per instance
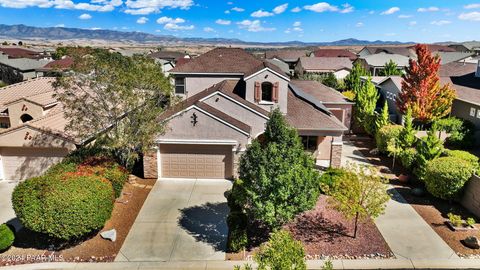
(168, 55)
(225, 61)
(286, 55)
(279, 63)
(462, 78)
(24, 64)
(436, 48)
(448, 57)
(456, 69)
(61, 64)
(325, 63)
(20, 53)
(471, 45)
(320, 91)
(379, 60)
(335, 53)
(379, 80)
(400, 50)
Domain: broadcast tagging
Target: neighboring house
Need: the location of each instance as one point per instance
(13, 52)
(398, 50)
(375, 63)
(169, 59)
(389, 88)
(339, 66)
(56, 67)
(288, 56)
(280, 64)
(13, 70)
(448, 57)
(33, 136)
(471, 47)
(334, 53)
(228, 94)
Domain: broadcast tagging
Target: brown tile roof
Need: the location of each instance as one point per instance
(320, 91)
(436, 48)
(304, 116)
(456, 69)
(20, 53)
(335, 53)
(325, 63)
(61, 64)
(181, 61)
(286, 55)
(405, 51)
(38, 90)
(220, 60)
(167, 55)
(467, 87)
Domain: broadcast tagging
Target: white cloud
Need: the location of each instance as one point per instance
(472, 6)
(280, 9)
(223, 22)
(261, 13)
(92, 5)
(441, 22)
(85, 16)
(359, 24)
(321, 7)
(60, 25)
(428, 9)
(208, 29)
(142, 20)
(151, 6)
(165, 20)
(297, 24)
(390, 11)
(253, 26)
(296, 9)
(470, 16)
(390, 34)
(403, 16)
(176, 27)
(227, 11)
(237, 9)
(412, 23)
(347, 8)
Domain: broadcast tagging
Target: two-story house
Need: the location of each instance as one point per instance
(227, 96)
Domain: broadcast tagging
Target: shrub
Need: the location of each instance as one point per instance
(446, 176)
(236, 196)
(7, 236)
(407, 157)
(117, 175)
(387, 136)
(429, 148)
(461, 132)
(470, 158)
(237, 240)
(64, 207)
(330, 177)
(470, 221)
(350, 95)
(281, 252)
(456, 220)
(62, 167)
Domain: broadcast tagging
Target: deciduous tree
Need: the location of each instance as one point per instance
(421, 89)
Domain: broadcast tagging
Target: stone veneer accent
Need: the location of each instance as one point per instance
(336, 155)
(236, 163)
(150, 164)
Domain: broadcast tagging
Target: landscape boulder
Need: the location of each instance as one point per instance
(109, 235)
(472, 242)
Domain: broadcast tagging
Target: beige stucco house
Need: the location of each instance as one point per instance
(227, 96)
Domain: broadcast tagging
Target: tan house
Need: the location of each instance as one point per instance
(339, 66)
(228, 94)
(33, 134)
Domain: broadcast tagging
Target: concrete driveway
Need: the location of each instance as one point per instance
(181, 220)
(6, 210)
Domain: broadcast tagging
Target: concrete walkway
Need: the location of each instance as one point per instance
(181, 220)
(6, 209)
(405, 231)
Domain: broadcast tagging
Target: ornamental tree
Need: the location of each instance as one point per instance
(429, 148)
(279, 178)
(383, 118)
(353, 81)
(365, 104)
(421, 89)
(391, 69)
(407, 135)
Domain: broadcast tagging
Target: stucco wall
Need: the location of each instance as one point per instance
(341, 74)
(324, 148)
(461, 109)
(268, 76)
(242, 114)
(196, 84)
(206, 128)
(15, 111)
(28, 137)
(471, 197)
(347, 112)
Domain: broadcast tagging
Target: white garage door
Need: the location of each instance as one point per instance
(196, 161)
(22, 163)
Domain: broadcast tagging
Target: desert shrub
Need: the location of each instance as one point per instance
(446, 176)
(7, 236)
(350, 95)
(386, 136)
(281, 252)
(470, 158)
(407, 157)
(330, 177)
(64, 207)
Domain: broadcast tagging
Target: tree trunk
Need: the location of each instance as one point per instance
(356, 226)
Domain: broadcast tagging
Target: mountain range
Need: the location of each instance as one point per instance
(62, 33)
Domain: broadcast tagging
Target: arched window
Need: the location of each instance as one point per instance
(25, 118)
(267, 91)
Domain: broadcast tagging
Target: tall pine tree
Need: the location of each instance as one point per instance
(421, 89)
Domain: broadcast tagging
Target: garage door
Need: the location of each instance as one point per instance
(196, 161)
(26, 162)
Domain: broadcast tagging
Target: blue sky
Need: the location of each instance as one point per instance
(260, 20)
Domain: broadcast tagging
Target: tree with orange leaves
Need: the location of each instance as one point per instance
(421, 89)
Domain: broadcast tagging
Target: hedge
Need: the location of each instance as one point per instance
(446, 176)
(386, 135)
(470, 158)
(66, 206)
(237, 225)
(7, 236)
(330, 177)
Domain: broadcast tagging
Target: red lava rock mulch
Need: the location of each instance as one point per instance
(28, 249)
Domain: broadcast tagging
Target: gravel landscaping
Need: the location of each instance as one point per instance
(29, 248)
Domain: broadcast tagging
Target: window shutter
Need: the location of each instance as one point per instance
(275, 92)
(257, 93)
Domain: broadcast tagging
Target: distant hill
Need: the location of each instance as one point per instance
(62, 33)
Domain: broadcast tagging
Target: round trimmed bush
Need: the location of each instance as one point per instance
(446, 176)
(470, 158)
(386, 135)
(64, 207)
(330, 177)
(7, 236)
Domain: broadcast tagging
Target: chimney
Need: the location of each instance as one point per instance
(477, 74)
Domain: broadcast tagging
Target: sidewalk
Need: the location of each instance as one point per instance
(404, 230)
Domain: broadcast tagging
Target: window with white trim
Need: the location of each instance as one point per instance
(472, 112)
(478, 113)
(180, 85)
(267, 91)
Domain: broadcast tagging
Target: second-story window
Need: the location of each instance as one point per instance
(180, 85)
(267, 91)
